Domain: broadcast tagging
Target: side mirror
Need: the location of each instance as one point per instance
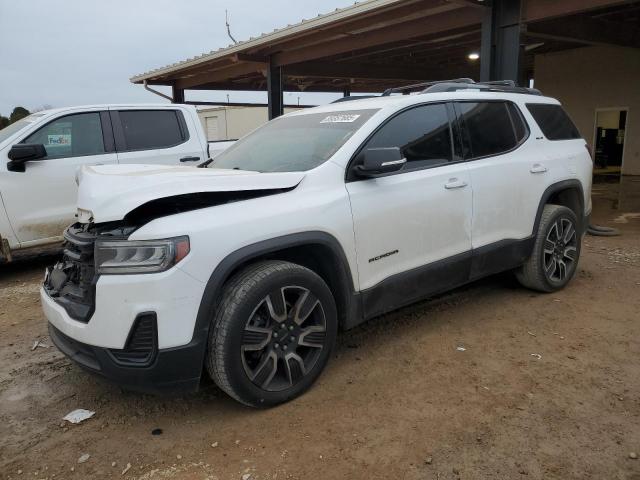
(21, 153)
(375, 162)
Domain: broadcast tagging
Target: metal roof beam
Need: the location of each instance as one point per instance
(424, 26)
(535, 10)
(587, 30)
(219, 75)
(357, 70)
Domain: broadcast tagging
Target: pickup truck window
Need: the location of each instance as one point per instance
(293, 143)
(151, 129)
(71, 136)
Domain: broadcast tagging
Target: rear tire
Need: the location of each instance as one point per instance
(272, 333)
(556, 252)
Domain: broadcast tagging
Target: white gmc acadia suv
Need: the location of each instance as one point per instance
(317, 221)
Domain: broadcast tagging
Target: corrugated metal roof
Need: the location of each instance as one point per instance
(357, 8)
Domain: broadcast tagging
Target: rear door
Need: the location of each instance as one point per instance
(156, 136)
(41, 201)
(506, 172)
(416, 218)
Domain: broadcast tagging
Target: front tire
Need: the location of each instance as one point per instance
(556, 252)
(272, 333)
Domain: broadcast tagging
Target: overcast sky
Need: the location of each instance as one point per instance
(74, 52)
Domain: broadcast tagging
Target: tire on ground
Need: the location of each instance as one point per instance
(532, 274)
(240, 296)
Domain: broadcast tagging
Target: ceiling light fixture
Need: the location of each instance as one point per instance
(473, 56)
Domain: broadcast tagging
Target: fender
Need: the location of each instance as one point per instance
(245, 254)
(555, 188)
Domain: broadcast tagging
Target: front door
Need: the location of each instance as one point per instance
(413, 227)
(41, 201)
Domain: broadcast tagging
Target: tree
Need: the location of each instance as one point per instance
(18, 113)
(4, 121)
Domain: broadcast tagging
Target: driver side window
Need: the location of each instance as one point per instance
(71, 136)
(423, 135)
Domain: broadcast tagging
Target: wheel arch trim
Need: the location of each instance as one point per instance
(231, 262)
(556, 188)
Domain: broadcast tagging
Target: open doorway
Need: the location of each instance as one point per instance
(608, 143)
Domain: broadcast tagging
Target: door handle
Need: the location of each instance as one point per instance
(538, 168)
(189, 159)
(455, 183)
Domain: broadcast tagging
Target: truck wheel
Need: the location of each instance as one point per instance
(556, 251)
(272, 333)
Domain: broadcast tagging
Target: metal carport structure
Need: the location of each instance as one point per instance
(377, 44)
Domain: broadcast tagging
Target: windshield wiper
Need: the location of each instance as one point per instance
(206, 163)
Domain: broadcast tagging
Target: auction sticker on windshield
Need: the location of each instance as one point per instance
(342, 118)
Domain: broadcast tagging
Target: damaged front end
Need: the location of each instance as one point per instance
(71, 282)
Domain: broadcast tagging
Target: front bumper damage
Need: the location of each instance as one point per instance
(135, 330)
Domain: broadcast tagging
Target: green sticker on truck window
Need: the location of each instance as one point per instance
(59, 140)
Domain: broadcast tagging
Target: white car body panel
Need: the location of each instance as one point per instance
(507, 188)
(396, 214)
(176, 293)
(235, 225)
(110, 192)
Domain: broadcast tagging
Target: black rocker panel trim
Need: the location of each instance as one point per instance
(422, 282)
(416, 284)
(500, 256)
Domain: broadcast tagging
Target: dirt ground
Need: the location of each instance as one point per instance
(399, 400)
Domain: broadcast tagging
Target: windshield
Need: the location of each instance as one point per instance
(9, 130)
(293, 144)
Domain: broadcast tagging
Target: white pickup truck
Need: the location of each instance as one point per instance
(40, 154)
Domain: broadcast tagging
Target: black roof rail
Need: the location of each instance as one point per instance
(504, 83)
(423, 86)
(506, 86)
(349, 98)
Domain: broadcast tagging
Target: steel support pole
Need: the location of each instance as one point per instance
(177, 94)
(275, 95)
(500, 48)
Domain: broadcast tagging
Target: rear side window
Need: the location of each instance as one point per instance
(553, 121)
(490, 130)
(423, 135)
(150, 129)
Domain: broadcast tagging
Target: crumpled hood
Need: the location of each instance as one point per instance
(108, 192)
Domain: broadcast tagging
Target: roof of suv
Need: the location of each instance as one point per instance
(400, 101)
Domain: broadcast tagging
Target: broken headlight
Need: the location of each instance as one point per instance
(139, 256)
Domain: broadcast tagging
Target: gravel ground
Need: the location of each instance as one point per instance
(547, 386)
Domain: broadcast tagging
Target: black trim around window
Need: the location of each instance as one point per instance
(466, 141)
(456, 158)
(118, 131)
(107, 132)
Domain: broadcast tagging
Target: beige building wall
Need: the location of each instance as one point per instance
(585, 79)
(228, 123)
